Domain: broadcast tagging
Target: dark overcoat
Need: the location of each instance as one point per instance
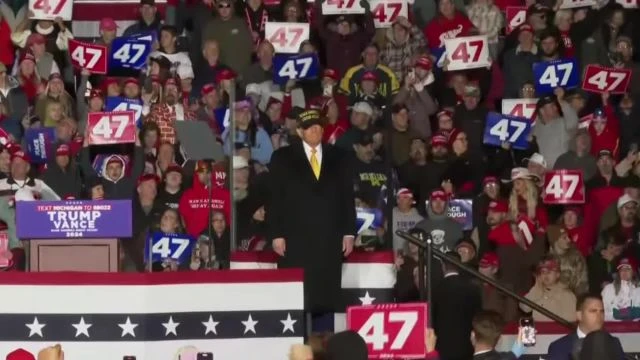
(312, 215)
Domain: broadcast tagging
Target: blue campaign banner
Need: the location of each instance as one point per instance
(295, 67)
(223, 116)
(460, 210)
(368, 219)
(119, 103)
(39, 141)
(499, 128)
(161, 246)
(129, 52)
(549, 75)
(74, 219)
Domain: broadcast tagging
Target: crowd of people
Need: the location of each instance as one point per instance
(406, 132)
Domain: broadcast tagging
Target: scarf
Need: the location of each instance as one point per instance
(264, 17)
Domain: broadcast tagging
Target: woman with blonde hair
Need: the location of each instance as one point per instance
(524, 199)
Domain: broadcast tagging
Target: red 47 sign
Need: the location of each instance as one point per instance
(385, 12)
(467, 52)
(563, 187)
(391, 331)
(519, 107)
(338, 7)
(88, 56)
(628, 4)
(516, 16)
(286, 37)
(600, 79)
(51, 9)
(117, 127)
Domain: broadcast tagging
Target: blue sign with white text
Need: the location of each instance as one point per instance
(223, 116)
(161, 246)
(129, 53)
(501, 128)
(295, 67)
(549, 75)
(368, 219)
(119, 103)
(39, 141)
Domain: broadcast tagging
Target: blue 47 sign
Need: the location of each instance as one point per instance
(296, 67)
(549, 75)
(500, 128)
(129, 52)
(161, 246)
(119, 103)
(368, 219)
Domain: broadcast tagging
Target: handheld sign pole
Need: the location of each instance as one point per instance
(421, 272)
(150, 253)
(232, 114)
(429, 276)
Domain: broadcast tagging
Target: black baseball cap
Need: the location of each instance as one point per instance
(365, 139)
(295, 112)
(308, 118)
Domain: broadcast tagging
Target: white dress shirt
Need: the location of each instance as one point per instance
(307, 150)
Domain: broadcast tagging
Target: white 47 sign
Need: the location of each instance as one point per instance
(374, 331)
(385, 12)
(51, 9)
(286, 37)
(468, 52)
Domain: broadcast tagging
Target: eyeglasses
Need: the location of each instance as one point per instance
(224, 6)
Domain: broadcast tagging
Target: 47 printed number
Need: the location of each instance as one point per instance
(163, 247)
(501, 130)
(550, 75)
(289, 69)
(373, 331)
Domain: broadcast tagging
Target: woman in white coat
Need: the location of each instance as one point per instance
(622, 295)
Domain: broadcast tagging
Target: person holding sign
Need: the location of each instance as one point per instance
(311, 212)
(604, 129)
(149, 20)
(45, 62)
(556, 122)
(55, 34)
(232, 35)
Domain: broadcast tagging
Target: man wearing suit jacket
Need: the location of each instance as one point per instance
(455, 302)
(311, 213)
(590, 314)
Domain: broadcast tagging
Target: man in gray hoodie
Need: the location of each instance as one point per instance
(445, 232)
(556, 125)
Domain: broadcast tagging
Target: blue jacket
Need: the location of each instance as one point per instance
(562, 348)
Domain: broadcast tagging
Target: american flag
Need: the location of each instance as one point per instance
(155, 316)
(367, 277)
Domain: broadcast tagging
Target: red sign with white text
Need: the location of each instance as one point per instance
(469, 52)
(599, 79)
(87, 56)
(391, 331)
(515, 16)
(563, 187)
(117, 127)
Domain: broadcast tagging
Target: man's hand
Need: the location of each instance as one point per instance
(58, 20)
(430, 339)
(559, 92)
(279, 246)
(605, 98)
(347, 245)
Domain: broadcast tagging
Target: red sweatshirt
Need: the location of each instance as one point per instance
(609, 138)
(441, 28)
(193, 205)
(569, 48)
(7, 53)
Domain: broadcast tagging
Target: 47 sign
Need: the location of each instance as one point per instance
(391, 331)
(563, 187)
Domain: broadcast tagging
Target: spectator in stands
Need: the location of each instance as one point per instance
(598, 48)
(62, 174)
(602, 261)
(256, 17)
(334, 126)
(578, 157)
(206, 257)
(28, 78)
(45, 62)
(404, 217)
(404, 42)
(601, 345)
(518, 62)
(248, 132)
(19, 178)
(604, 129)
(149, 20)
(387, 83)
(468, 253)
(406, 264)
(147, 211)
(234, 39)
(168, 222)
(444, 231)
(550, 293)
(208, 67)
(492, 298)
(448, 24)
(170, 49)
(556, 122)
(437, 165)
(488, 20)
(171, 191)
(590, 314)
(482, 204)
(168, 111)
(410, 172)
(10, 125)
(571, 224)
(470, 117)
(524, 200)
(54, 39)
(537, 165)
(361, 114)
(369, 175)
(107, 29)
(455, 302)
(606, 176)
(54, 91)
(573, 267)
(262, 70)
(620, 297)
(399, 136)
(416, 93)
(465, 171)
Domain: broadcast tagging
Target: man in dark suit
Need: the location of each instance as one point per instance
(311, 212)
(590, 314)
(455, 302)
(486, 331)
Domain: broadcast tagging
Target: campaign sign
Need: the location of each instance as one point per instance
(161, 246)
(524, 108)
(223, 117)
(295, 67)
(460, 210)
(600, 79)
(87, 56)
(129, 52)
(368, 219)
(386, 12)
(286, 37)
(515, 16)
(391, 331)
(341, 7)
(119, 103)
(441, 55)
(50, 9)
(73, 219)
(38, 142)
(469, 52)
(549, 75)
(563, 187)
(500, 128)
(106, 128)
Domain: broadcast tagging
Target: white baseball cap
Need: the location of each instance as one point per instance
(363, 107)
(625, 199)
(239, 162)
(537, 158)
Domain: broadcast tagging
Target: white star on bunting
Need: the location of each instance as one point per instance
(249, 325)
(82, 328)
(210, 325)
(288, 323)
(35, 328)
(367, 300)
(128, 328)
(171, 327)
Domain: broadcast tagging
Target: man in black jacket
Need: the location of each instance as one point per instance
(486, 331)
(455, 302)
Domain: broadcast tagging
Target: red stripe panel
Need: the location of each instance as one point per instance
(254, 256)
(117, 11)
(160, 278)
(384, 257)
(553, 328)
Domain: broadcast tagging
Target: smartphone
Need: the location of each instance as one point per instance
(327, 90)
(128, 357)
(205, 356)
(528, 332)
